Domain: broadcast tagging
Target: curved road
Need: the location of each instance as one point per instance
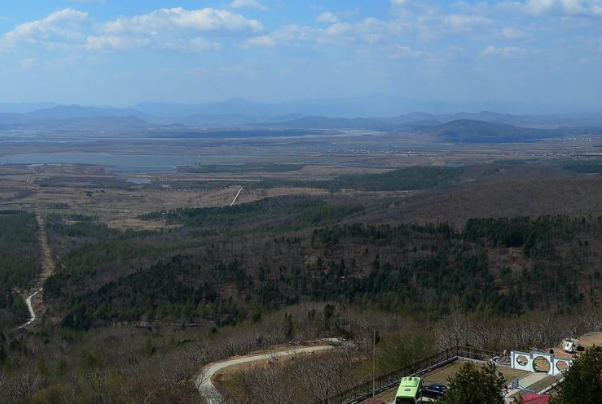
(31, 312)
(206, 387)
(47, 270)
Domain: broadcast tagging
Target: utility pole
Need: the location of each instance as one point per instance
(373, 363)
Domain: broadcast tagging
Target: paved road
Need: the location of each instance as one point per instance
(236, 197)
(206, 387)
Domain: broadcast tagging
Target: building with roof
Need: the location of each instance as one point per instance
(532, 398)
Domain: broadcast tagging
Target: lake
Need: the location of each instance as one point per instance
(116, 163)
(138, 180)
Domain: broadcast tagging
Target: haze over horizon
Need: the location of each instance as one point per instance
(539, 53)
(300, 201)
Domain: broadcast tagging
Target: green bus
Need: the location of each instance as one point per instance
(409, 390)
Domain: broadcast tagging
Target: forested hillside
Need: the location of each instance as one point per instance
(283, 213)
(19, 263)
(204, 271)
(133, 314)
(402, 179)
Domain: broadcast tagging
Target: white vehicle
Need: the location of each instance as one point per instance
(570, 345)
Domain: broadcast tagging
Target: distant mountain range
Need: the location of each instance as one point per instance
(242, 114)
(371, 105)
(74, 117)
(63, 112)
(24, 107)
(527, 121)
(455, 131)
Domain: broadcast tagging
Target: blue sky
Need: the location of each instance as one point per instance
(119, 52)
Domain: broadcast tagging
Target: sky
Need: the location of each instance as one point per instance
(121, 52)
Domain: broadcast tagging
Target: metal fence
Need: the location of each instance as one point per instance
(467, 352)
(423, 366)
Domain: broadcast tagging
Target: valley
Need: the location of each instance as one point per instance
(189, 249)
(292, 202)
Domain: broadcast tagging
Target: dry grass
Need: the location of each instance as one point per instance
(225, 380)
(85, 194)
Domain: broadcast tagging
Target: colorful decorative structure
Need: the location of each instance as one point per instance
(539, 362)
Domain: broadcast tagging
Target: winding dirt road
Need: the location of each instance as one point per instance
(205, 385)
(47, 270)
(32, 313)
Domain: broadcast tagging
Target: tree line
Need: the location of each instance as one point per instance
(19, 263)
(417, 269)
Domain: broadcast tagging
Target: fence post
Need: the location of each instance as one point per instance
(352, 394)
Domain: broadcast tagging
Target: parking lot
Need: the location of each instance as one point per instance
(441, 376)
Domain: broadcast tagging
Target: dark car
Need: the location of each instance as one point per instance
(434, 391)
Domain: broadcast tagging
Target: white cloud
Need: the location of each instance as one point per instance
(256, 4)
(434, 24)
(29, 63)
(206, 19)
(460, 22)
(405, 52)
(283, 36)
(514, 34)
(192, 45)
(584, 8)
(339, 30)
(202, 44)
(115, 42)
(131, 42)
(432, 59)
(430, 25)
(173, 29)
(366, 31)
(199, 72)
(56, 29)
(266, 41)
(504, 52)
(167, 29)
(327, 18)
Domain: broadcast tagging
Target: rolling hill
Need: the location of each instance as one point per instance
(482, 127)
(75, 117)
(471, 131)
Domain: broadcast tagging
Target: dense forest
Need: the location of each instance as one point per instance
(19, 264)
(203, 271)
(278, 214)
(583, 167)
(402, 179)
(131, 316)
